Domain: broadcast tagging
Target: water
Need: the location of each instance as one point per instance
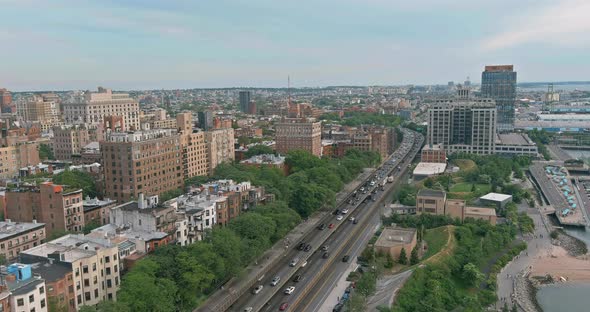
(570, 297)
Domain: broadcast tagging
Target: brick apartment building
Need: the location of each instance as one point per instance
(148, 161)
(292, 134)
(70, 140)
(194, 147)
(220, 147)
(57, 206)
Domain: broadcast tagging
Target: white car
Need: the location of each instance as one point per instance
(289, 290)
(294, 262)
(339, 218)
(304, 264)
(257, 289)
(275, 281)
(344, 211)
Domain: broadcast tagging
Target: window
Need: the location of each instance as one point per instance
(86, 282)
(42, 290)
(87, 296)
(107, 259)
(71, 289)
(79, 299)
(94, 267)
(108, 271)
(85, 269)
(116, 268)
(43, 303)
(32, 298)
(109, 283)
(20, 302)
(96, 280)
(96, 293)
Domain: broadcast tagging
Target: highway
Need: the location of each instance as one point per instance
(345, 238)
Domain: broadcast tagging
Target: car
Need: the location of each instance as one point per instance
(322, 226)
(325, 248)
(331, 226)
(257, 289)
(275, 280)
(301, 246)
(289, 290)
(283, 306)
(297, 278)
(372, 183)
(304, 264)
(345, 258)
(294, 262)
(337, 211)
(355, 221)
(326, 255)
(339, 218)
(352, 219)
(362, 189)
(344, 211)
(307, 247)
(248, 309)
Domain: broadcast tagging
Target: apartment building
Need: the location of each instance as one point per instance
(59, 282)
(220, 147)
(135, 162)
(58, 206)
(18, 156)
(92, 107)
(194, 147)
(463, 124)
(42, 109)
(6, 105)
(18, 236)
(293, 134)
(26, 291)
(200, 211)
(97, 211)
(94, 263)
(69, 140)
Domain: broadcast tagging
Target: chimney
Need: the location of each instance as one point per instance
(141, 201)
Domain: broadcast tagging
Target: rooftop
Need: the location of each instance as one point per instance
(112, 232)
(431, 193)
(10, 229)
(480, 211)
(427, 169)
(264, 159)
(514, 139)
(395, 236)
(94, 203)
(72, 246)
(496, 197)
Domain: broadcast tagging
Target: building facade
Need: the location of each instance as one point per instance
(69, 140)
(244, 101)
(18, 236)
(430, 201)
(57, 206)
(27, 292)
(42, 109)
(137, 162)
(92, 107)
(220, 147)
(194, 147)
(294, 134)
(463, 124)
(498, 82)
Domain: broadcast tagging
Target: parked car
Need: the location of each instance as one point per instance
(331, 226)
(304, 264)
(344, 211)
(257, 289)
(289, 290)
(294, 262)
(283, 306)
(275, 281)
(307, 247)
(339, 218)
(322, 226)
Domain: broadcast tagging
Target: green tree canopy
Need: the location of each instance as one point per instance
(77, 180)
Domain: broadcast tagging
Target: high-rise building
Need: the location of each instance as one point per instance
(292, 134)
(148, 162)
(244, 101)
(220, 147)
(463, 124)
(42, 109)
(498, 82)
(92, 107)
(205, 120)
(6, 101)
(194, 148)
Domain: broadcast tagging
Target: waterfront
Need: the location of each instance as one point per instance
(564, 297)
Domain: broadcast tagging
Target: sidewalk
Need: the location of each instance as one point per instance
(223, 298)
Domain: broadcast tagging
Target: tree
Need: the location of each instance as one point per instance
(258, 150)
(388, 261)
(414, 256)
(103, 306)
(141, 290)
(403, 258)
(197, 180)
(45, 152)
(505, 307)
(91, 226)
(78, 180)
(168, 195)
(514, 308)
(473, 189)
(472, 275)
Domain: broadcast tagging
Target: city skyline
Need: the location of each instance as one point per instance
(178, 44)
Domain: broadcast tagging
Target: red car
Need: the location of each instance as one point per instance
(283, 306)
(331, 226)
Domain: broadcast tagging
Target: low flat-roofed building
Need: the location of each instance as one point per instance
(500, 200)
(393, 239)
(481, 213)
(424, 170)
(18, 236)
(430, 201)
(433, 153)
(512, 144)
(265, 160)
(96, 210)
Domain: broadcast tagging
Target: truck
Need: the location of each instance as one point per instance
(390, 179)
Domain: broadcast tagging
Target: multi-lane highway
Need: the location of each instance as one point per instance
(343, 233)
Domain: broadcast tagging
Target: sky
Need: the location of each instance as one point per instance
(149, 44)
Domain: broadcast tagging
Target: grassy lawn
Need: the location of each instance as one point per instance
(465, 187)
(436, 238)
(465, 164)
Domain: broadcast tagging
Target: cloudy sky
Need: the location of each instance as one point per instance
(132, 44)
